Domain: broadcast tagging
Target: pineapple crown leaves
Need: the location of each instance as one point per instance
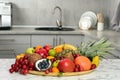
(93, 48)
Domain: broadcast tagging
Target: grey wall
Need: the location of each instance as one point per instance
(39, 12)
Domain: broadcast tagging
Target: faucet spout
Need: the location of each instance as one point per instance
(59, 21)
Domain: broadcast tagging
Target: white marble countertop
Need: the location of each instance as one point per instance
(108, 70)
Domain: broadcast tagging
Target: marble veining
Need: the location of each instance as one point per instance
(109, 69)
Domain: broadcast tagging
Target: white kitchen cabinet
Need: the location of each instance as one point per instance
(11, 45)
(56, 39)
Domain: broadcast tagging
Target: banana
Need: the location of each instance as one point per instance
(66, 46)
(69, 46)
(95, 60)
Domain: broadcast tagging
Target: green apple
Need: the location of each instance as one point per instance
(52, 52)
(55, 63)
(30, 51)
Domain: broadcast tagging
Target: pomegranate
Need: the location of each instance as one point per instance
(66, 65)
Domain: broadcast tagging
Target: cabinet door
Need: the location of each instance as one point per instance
(43, 40)
(71, 39)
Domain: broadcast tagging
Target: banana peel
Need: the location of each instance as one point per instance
(66, 46)
(96, 60)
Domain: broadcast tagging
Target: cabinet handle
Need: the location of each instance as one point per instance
(54, 42)
(7, 39)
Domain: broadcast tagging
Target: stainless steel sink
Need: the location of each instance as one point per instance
(54, 29)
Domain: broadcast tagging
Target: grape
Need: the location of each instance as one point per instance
(24, 67)
(76, 70)
(47, 71)
(93, 66)
(13, 65)
(11, 70)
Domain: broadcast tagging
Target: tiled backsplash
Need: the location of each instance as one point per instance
(39, 12)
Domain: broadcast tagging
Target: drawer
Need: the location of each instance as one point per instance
(14, 39)
(10, 50)
(6, 54)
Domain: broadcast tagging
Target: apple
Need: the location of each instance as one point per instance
(66, 65)
(42, 52)
(47, 47)
(30, 51)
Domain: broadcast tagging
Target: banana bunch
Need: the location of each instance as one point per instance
(66, 46)
(95, 60)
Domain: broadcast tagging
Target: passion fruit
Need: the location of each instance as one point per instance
(43, 64)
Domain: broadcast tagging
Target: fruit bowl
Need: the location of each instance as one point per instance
(60, 74)
(61, 60)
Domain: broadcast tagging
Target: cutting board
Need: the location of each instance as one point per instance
(60, 74)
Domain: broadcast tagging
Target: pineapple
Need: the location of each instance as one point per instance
(95, 48)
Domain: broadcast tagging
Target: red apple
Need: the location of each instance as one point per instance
(66, 65)
(43, 52)
(47, 47)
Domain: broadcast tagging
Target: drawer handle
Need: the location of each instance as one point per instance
(7, 39)
(6, 49)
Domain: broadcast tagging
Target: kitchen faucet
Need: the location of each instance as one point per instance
(59, 21)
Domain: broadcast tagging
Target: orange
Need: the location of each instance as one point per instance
(55, 70)
(37, 47)
(50, 57)
(84, 62)
(58, 49)
(20, 56)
